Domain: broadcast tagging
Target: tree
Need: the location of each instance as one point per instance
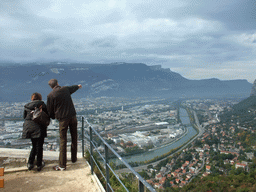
(198, 143)
(188, 157)
(150, 166)
(153, 174)
(144, 174)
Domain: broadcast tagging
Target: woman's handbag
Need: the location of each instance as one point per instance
(40, 117)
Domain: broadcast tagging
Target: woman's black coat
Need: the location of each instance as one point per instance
(30, 128)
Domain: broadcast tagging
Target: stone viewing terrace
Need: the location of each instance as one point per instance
(77, 177)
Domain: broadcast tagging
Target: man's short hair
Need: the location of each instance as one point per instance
(53, 83)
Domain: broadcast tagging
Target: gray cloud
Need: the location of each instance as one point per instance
(48, 41)
(178, 34)
(104, 42)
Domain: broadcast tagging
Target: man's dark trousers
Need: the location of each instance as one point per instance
(64, 124)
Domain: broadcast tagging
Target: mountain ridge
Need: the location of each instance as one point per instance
(19, 81)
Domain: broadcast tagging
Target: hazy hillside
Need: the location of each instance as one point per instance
(246, 104)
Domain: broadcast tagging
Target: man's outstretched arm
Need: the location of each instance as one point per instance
(74, 88)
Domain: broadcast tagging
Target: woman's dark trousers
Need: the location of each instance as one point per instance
(37, 150)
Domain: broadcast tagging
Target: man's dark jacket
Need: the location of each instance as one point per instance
(59, 102)
(30, 128)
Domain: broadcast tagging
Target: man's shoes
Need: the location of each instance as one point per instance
(74, 160)
(58, 168)
(41, 167)
(30, 166)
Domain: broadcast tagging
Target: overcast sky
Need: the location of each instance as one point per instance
(199, 39)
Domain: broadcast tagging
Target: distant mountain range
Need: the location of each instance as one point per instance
(18, 82)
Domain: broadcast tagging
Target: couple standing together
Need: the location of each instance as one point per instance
(59, 106)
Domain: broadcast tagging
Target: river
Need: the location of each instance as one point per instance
(160, 151)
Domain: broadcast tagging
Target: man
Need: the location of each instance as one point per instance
(61, 107)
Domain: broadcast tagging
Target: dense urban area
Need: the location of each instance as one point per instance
(227, 147)
(224, 147)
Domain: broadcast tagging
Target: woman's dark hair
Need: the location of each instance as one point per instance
(53, 83)
(36, 96)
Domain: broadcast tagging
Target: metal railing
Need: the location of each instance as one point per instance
(142, 184)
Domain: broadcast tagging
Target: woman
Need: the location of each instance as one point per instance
(34, 131)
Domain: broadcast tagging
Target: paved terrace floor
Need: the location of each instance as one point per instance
(76, 178)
